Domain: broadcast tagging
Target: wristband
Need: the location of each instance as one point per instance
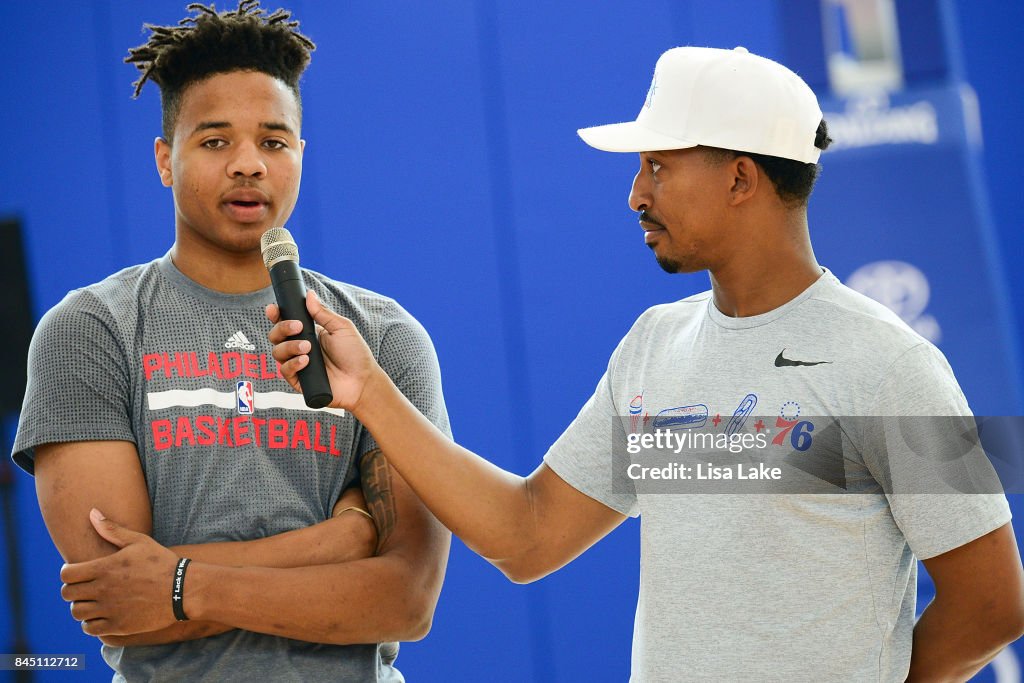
(178, 590)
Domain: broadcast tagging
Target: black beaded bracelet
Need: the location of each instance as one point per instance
(178, 590)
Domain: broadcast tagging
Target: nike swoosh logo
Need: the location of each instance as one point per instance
(782, 362)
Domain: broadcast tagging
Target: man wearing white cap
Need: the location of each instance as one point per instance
(777, 585)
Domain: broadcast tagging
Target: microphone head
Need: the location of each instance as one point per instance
(278, 245)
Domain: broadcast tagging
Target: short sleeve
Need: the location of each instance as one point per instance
(407, 355)
(941, 487)
(78, 388)
(584, 455)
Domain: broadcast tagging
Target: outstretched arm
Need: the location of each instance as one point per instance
(527, 527)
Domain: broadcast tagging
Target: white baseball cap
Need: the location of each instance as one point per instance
(719, 98)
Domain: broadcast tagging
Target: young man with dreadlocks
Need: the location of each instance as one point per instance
(175, 423)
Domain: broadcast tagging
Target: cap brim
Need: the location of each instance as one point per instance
(630, 137)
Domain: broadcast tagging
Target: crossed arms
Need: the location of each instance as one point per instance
(324, 583)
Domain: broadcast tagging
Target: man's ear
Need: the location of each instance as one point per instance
(162, 155)
(745, 178)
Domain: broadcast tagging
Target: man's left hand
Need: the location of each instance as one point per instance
(124, 593)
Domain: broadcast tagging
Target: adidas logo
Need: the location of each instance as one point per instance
(239, 341)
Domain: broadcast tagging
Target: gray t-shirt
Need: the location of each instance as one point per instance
(229, 451)
(774, 586)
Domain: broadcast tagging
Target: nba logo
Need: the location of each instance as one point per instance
(246, 398)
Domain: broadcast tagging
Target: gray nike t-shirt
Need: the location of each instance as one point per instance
(229, 451)
(796, 586)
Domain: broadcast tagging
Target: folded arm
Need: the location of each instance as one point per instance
(72, 478)
(341, 538)
(344, 538)
(390, 596)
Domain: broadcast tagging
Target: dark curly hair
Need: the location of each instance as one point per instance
(793, 180)
(211, 42)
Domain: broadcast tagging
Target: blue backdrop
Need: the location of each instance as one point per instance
(442, 168)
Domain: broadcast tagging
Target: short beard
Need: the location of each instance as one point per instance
(668, 265)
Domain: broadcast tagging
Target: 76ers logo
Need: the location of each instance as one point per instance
(246, 398)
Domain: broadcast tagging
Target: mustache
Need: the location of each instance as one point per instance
(645, 217)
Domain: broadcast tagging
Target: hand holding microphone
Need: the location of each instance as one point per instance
(281, 257)
(334, 375)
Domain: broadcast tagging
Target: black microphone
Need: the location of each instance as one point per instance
(281, 257)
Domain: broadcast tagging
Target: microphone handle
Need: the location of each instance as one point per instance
(290, 291)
